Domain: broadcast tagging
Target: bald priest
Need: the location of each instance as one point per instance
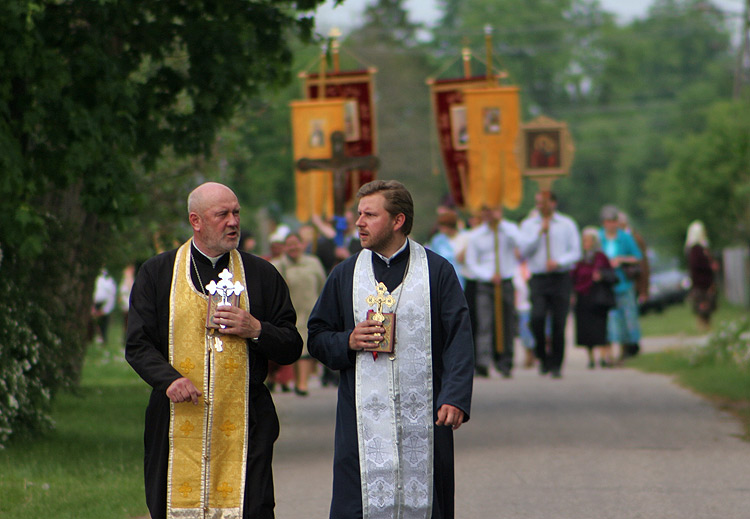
(210, 422)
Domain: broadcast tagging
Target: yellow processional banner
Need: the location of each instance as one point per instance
(493, 120)
(313, 122)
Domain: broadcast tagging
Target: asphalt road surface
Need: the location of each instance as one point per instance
(599, 444)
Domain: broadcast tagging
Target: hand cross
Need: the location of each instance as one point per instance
(380, 299)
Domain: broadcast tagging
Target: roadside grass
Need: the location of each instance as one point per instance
(725, 384)
(91, 465)
(679, 319)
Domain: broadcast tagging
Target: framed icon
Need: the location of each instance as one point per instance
(491, 120)
(317, 135)
(351, 121)
(459, 127)
(545, 148)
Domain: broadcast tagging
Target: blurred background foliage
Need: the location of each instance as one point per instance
(634, 95)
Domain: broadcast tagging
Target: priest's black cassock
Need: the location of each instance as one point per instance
(147, 351)
(329, 327)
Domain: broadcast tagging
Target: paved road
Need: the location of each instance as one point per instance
(598, 444)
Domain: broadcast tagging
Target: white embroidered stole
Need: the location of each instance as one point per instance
(394, 399)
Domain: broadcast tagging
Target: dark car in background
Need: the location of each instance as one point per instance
(666, 287)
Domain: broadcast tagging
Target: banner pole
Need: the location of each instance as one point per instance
(488, 45)
(322, 75)
(499, 343)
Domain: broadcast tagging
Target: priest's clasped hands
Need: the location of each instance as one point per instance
(363, 338)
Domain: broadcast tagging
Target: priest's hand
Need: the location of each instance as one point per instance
(183, 390)
(450, 416)
(237, 321)
(363, 336)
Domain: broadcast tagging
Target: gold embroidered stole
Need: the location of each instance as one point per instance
(208, 443)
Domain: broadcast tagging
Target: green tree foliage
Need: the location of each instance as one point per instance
(92, 92)
(707, 178)
(251, 152)
(548, 47)
(678, 44)
(621, 88)
(26, 339)
(657, 76)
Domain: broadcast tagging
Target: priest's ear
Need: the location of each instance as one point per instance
(398, 222)
(195, 221)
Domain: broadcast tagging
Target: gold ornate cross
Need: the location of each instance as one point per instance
(380, 299)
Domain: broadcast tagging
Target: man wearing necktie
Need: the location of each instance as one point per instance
(552, 245)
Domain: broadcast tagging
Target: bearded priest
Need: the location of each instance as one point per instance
(393, 319)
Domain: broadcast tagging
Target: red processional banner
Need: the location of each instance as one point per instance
(356, 88)
(452, 129)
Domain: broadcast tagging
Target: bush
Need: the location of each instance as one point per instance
(729, 344)
(26, 339)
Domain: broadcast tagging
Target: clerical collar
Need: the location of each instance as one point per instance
(213, 260)
(388, 260)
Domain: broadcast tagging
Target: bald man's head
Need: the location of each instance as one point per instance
(214, 214)
(203, 194)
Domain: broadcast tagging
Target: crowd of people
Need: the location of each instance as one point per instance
(521, 279)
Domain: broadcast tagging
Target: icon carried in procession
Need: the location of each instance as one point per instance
(223, 293)
(387, 320)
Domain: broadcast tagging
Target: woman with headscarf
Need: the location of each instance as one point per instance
(593, 278)
(702, 268)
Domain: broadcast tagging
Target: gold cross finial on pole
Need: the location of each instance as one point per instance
(488, 45)
(335, 34)
(322, 73)
(466, 55)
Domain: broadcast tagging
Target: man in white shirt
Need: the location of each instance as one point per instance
(105, 298)
(552, 245)
(491, 256)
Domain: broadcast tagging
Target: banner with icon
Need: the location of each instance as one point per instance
(356, 88)
(493, 118)
(313, 122)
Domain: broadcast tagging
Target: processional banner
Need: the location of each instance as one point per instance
(313, 122)
(453, 134)
(493, 122)
(356, 88)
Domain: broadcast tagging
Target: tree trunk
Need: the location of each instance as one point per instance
(61, 281)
